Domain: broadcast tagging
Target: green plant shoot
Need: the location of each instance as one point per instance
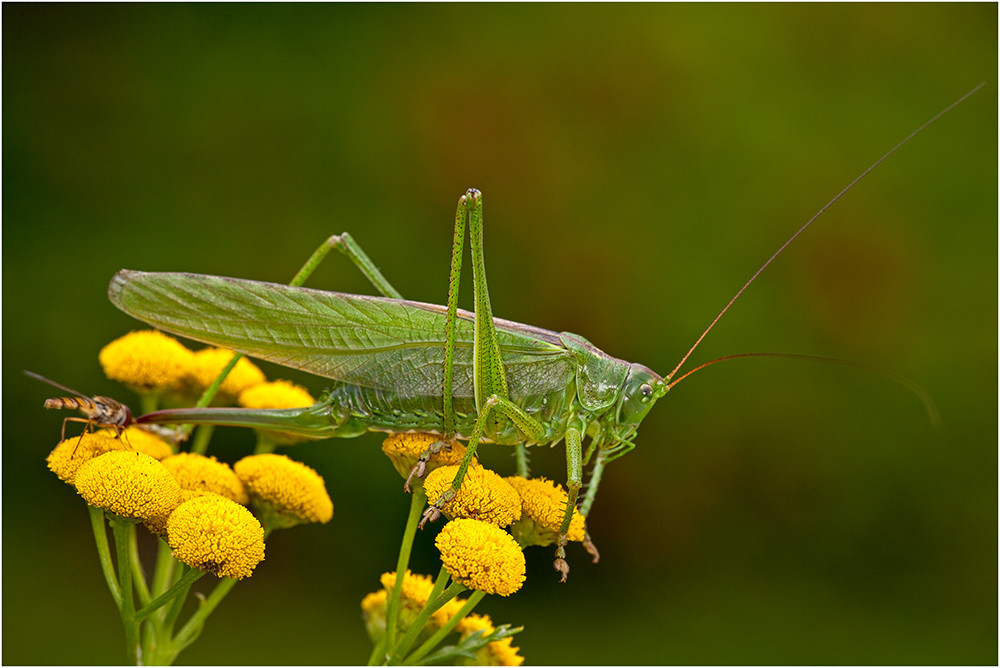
(405, 366)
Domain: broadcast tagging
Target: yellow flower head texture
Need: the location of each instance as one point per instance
(129, 484)
(496, 653)
(416, 590)
(69, 455)
(484, 495)
(275, 394)
(481, 556)
(543, 505)
(147, 360)
(291, 490)
(216, 535)
(404, 450)
(208, 363)
(206, 474)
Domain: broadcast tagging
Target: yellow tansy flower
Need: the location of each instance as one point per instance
(129, 484)
(417, 589)
(69, 455)
(496, 653)
(500, 653)
(404, 451)
(275, 394)
(208, 363)
(481, 556)
(216, 535)
(293, 491)
(146, 360)
(158, 525)
(373, 607)
(145, 441)
(484, 495)
(543, 506)
(208, 474)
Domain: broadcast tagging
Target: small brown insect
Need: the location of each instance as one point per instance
(99, 411)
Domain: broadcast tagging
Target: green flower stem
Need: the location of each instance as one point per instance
(104, 553)
(160, 623)
(179, 588)
(209, 394)
(123, 530)
(149, 401)
(163, 650)
(432, 606)
(265, 444)
(138, 576)
(201, 438)
(189, 633)
(417, 502)
(438, 636)
(170, 615)
(440, 583)
(163, 574)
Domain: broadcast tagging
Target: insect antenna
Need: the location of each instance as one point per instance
(929, 406)
(53, 383)
(809, 222)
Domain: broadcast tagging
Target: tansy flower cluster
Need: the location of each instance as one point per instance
(213, 518)
(195, 502)
(475, 549)
(477, 554)
(474, 631)
(152, 362)
(199, 506)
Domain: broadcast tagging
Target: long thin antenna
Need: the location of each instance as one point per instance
(932, 412)
(817, 215)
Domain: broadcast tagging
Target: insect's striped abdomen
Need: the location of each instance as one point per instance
(72, 403)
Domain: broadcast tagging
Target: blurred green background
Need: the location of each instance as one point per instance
(638, 163)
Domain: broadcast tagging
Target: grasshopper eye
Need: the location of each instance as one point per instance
(646, 389)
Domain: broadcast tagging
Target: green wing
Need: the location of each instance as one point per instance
(385, 344)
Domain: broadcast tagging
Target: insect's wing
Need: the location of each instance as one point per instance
(386, 344)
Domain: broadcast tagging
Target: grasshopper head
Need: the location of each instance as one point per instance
(641, 389)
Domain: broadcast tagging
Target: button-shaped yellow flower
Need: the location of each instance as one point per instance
(496, 653)
(404, 451)
(481, 556)
(543, 506)
(373, 607)
(158, 525)
(416, 590)
(146, 360)
(275, 394)
(484, 495)
(129, 484)
(69, 455)
(207, 474)
(216, 535)
(208, 363)
(142, 440)
(293, 491)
